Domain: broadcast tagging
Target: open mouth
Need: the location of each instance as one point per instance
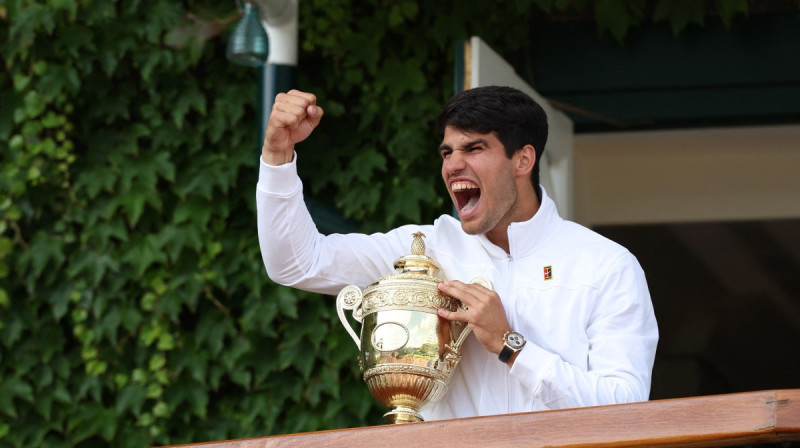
(467, 196)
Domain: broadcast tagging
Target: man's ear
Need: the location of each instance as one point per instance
(524, 160)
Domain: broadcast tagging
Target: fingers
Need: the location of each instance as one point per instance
(290, 110)
(473, 297)
(314, 114)
(470, 294)
(453, 315)
(293, 107)
(297, 94)
(296, 98)
(309, 102)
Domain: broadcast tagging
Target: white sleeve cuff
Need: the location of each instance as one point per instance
(280, 180)
(533, 364)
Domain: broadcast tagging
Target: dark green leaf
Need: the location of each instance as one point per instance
(729, 8)
(131, 399)
(679, 13)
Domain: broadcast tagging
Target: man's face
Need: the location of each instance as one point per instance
(480, 179)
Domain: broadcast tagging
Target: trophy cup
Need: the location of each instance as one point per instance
(407, 353)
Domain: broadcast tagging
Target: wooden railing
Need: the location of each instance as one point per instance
(718, 420)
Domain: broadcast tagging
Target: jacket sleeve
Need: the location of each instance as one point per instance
(296, 254)
(622, 336)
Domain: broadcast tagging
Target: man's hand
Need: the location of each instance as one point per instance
(294, 116)
(485, 312)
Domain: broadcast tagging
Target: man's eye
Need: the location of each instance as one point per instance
(445, 154)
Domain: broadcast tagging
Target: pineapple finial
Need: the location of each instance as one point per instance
(418, 246)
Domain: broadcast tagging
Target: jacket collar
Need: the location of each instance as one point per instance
(526, 236)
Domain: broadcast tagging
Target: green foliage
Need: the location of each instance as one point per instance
(134, 310)
(618, 17)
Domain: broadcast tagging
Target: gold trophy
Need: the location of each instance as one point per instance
(407, 352)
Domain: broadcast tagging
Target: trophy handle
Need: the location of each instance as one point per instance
(350, 299)
(456, 349)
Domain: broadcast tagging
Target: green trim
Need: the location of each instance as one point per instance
(715, 75)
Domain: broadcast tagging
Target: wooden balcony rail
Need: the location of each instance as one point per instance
(769, 416)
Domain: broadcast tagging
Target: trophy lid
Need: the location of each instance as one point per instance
(417, 261)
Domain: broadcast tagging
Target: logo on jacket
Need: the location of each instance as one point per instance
(548, 272)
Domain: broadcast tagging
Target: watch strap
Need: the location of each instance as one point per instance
(505, 354)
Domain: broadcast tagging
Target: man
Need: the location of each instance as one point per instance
(570, 322)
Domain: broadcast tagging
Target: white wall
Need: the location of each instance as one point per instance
(718, 174)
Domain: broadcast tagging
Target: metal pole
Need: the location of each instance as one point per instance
(279, 18)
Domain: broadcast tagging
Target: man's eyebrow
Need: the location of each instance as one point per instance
(469, 144)
(477, 141)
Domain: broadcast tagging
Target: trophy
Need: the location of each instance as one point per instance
(407, 353)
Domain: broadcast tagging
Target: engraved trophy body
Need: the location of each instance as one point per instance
(407, 352)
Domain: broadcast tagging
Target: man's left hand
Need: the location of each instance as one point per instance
(485, 312)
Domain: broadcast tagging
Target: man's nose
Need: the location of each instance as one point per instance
(454, 163)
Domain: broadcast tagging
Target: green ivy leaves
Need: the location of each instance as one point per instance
(134, 310)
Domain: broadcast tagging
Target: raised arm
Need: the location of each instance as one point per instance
(294, 252)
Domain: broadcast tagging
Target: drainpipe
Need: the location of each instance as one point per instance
(279, 18)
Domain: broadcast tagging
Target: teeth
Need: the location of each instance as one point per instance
(459, 186)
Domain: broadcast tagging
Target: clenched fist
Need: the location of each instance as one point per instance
(294, 116)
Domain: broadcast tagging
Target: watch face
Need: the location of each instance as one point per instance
(515, 340)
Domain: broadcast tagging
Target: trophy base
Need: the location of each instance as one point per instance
(403, 415)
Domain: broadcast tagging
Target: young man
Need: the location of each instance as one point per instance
(570, 322)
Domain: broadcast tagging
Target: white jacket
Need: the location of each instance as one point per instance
(590, 328)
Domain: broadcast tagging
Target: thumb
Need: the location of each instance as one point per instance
(314, 115)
